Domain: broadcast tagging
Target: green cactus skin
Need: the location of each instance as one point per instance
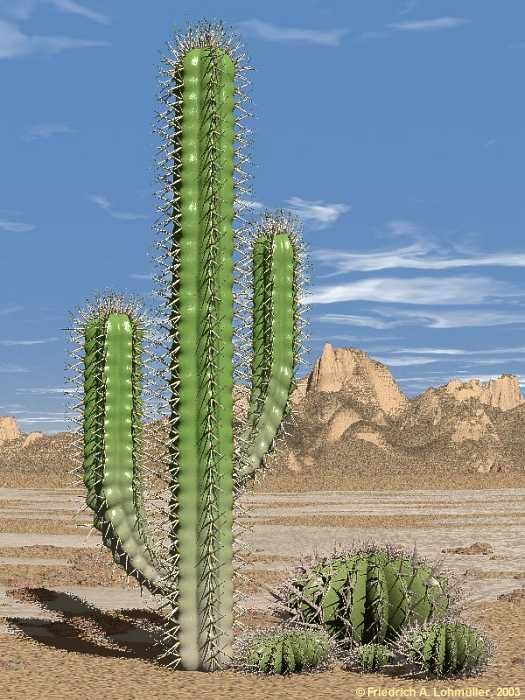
(204, 299)
(111, 430)
(194, 572)
(446, 648)
(366, 596)
(285, 652)
(371, 657)
(199, 241)
(120, 509)
(275, 265)
(93, 411)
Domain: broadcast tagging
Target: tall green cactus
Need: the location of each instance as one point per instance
(207, 463)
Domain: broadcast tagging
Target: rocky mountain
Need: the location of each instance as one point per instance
(350, 414)
(354, 416)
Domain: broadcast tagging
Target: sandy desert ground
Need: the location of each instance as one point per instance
(70, 625)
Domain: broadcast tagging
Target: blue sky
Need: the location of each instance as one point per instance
(394, 128)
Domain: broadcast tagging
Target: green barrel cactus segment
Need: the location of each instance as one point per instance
(446, 648)
(112, 331)
(371, 657)
(284, 651)
(367, 594)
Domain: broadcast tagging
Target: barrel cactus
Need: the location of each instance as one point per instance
(446, 648)
(366, 594)
(284, 651)
(370, 657)
(184, 550)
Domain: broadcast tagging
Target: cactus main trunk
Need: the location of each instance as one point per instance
(203, 380)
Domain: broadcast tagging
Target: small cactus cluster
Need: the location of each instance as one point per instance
(379, 606)
(366, 594)
(446, 648)
(371, 657)
(285, 651)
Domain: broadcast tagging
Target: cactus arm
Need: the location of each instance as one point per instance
(205, 470)
(261, 326)
(283, 356)
(93, 412)
(120, 513)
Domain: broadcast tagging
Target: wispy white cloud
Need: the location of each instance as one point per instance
(272, 32)
(12, 369)
(465, 376)
(44, 131)
(23, 9)
(104, 203)
(416, 290)
(421, 255)
(403, 227)
(10, 309)
(81, 10)
(44, 391)
(429, 25)
(41, 419)
(404, 361)
(455, 351)
(141, 276)
(17, 343)
(14, 43)
(351, 338)
(15, 226)
(449, 318)
(316, 212)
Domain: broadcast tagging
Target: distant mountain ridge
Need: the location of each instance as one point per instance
(353, 415)
(350, 414)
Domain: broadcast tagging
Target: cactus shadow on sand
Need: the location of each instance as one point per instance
(84, 628)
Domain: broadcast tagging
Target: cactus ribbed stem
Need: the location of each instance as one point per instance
(120, 510)
(93, 423)
(204, 330)
(276, 380)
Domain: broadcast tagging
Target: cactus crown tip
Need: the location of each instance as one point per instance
(207, 34)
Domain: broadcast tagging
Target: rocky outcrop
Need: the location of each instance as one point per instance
(352, 370)
(9, 429)
(340, 421)
(32, 438)
(503, 393)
